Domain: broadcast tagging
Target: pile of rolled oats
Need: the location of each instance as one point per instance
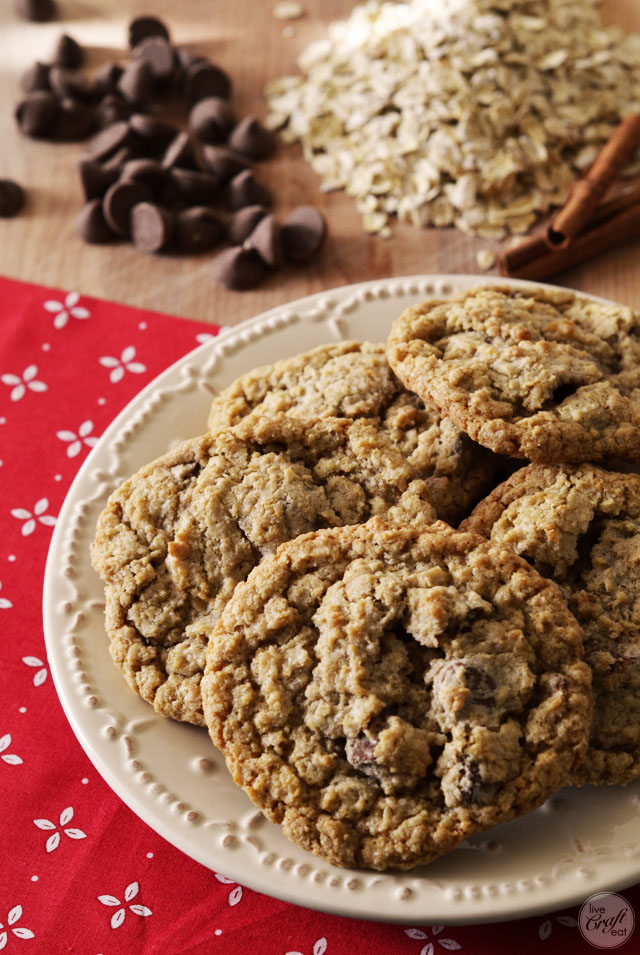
(473, 113)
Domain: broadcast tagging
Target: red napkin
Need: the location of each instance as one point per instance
(79, 872)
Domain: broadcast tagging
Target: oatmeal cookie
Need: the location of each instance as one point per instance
(532, 373)
(353, 380)
(580, 526)
(385, 691)
(174, 540)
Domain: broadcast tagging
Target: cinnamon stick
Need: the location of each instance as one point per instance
(534, 247)
(614, 230)
(589, 190)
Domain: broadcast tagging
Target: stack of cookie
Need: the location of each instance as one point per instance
(380, 684)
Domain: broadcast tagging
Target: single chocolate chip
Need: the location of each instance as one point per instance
(222, 162)
(457, 679)
(303, 232)
(95, 179)
(151, 227)
(36, 77)
(481, 685)
(202, 80)
(119, 159)
(112, 109)
(360, 752)
(239, 269)
(75, 121)
(142, 27)
(109, 140)
(147, 171)
(136, 83)
(195, 188)
(245, 190)
(105, 80)
(69, 83)
(11, 198)
(198, 229)
(265, 239)
(211, 119)
(119, 201)
(159, 54)
(36, 10)
(472, 788)
(187, 58)
(168, 197)
(180, 152)
(244, 222)
(91, 225)
(68, 53)
(153, 133)
(36, 113)
(250, 138)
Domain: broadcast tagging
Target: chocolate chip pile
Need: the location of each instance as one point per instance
(150, 182)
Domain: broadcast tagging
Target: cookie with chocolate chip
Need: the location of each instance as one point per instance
(353, 380)
(383, 692)
(529, 372)
(580, 526)
(175, 539)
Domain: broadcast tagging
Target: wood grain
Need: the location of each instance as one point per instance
(244, 38)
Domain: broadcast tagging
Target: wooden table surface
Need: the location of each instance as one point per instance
(245, 39)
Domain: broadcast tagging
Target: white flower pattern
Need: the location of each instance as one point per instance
(41, 675)
(30, 520)
(319, 947)
(4, 603)
(67, 309)
(449, 944)
(235, 894)
(10, 758)
(20, 384)
(15, 914)
(76, 441)
(54, 839)
(546, 927)
(38, 371)
(129, 893)
(118, 366)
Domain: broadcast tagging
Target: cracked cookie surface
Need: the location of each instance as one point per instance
(580, 526)
(175, 539)
(528, 372)
(353, 380)
(383, 692)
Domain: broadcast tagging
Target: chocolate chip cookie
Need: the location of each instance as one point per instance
(529, 372)
(385, 691)
(580, 526)
(353, 380)
(175, 539)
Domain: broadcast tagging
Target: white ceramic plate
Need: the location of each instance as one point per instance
(580, 842)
